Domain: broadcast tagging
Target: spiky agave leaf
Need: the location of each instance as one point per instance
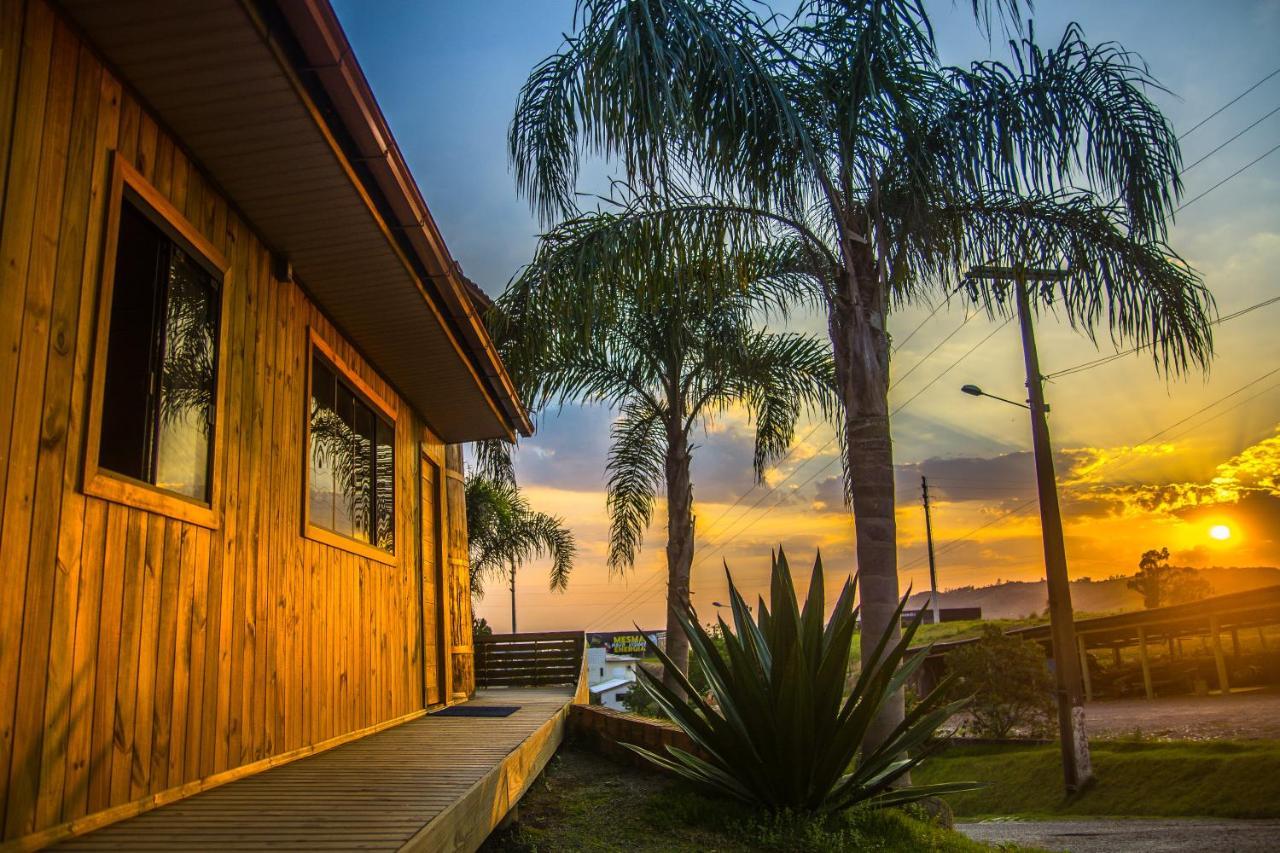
(781, 732)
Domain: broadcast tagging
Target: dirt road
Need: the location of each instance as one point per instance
(1093, 835)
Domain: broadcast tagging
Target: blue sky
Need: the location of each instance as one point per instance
(447, 74)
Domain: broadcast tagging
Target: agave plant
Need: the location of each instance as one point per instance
(777, 727)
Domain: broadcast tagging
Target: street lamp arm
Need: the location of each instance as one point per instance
(975, 391)
(1006, 400)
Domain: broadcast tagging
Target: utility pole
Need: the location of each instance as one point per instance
(513, 597)
(1076, 764)
(933, 568)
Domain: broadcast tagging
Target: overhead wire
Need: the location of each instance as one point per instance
(1237, 135)
(1233, 175)
(1068, 371)
(1106, 359)
(1219, 110)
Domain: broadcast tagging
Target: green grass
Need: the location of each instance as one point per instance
(1231, 779)
(586, 803)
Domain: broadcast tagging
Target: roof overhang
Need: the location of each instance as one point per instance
(269, 100)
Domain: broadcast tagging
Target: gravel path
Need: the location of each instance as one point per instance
(1252, 714)
(1132, 835)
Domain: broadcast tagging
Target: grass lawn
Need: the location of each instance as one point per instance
(1233, 779)
(588, 803)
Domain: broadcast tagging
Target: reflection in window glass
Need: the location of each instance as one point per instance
(323, 416)
(352, 462)
(384, 480)
(186, 380)
(157, 401)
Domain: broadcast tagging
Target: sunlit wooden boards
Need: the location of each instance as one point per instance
(140, 653)
(435, 784)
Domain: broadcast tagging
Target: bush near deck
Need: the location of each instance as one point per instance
(1229, 779)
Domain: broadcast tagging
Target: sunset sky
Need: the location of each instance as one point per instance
(1142, 462)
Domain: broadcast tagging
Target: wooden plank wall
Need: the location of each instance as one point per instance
(462, 653)
(139, 653)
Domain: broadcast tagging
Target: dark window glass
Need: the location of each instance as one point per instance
(157, 409)
(352, 488)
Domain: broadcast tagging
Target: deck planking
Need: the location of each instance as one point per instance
(399, 788)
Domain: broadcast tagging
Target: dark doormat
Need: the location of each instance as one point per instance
(477, 711)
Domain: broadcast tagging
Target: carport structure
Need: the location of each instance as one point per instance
(1145, 630)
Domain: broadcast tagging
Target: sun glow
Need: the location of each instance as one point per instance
(1220, 532)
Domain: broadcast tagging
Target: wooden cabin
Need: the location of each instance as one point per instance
(237, 363)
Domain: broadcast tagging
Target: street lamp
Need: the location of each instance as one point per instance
(1077, 765)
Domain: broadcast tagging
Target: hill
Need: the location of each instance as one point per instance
(1016, 599)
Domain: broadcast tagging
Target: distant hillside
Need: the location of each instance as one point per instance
(1015, 599)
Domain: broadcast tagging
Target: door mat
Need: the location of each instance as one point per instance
(477, 711)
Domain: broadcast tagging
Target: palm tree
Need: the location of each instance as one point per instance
(504, 532)
(669, 340)
(840, 127)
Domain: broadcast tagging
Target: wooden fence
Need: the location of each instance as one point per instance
(529, 660)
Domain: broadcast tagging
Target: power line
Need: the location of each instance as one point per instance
(1128, 452)
(628, 600)
(912, 334)
(1078, 368)
(1106, 359)
(1205, 408)
(1216, 112)
(1192, 416)
(1227, 410)
(931, 352)
(642, 592)
(951, 367)
(1186, 169)
(756, 485)
(716, 547)
(1234, 174)
(955, 543)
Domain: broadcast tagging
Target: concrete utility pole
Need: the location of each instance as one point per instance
(933, 568)
(1076, 764)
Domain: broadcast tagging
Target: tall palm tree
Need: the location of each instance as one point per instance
(669, 339)
(840, 126)
(504, 533)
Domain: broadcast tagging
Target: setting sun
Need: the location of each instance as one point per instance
(1220, 532)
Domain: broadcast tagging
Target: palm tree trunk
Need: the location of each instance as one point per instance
(679, 551)
(861, 351)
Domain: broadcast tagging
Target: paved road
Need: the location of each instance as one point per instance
(1132, 836)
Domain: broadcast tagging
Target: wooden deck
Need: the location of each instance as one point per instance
(434, 783)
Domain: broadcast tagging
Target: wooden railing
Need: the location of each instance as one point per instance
(530, 660)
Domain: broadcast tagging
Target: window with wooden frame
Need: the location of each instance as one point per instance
(351, 459)
(156, 394)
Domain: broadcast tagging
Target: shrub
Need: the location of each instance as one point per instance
(779, 730)
(1009, 683)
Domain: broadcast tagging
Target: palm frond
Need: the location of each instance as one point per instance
(505, 532)
(1141, 291)
(667, 90)
(1072, 116)
(494, 462)
(635, 469)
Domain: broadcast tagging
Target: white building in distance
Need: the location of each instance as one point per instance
(610, 677)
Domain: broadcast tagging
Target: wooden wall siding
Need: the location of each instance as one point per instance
(139, 653)
(462, 654)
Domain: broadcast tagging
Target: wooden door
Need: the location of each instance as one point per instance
(430, 573)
